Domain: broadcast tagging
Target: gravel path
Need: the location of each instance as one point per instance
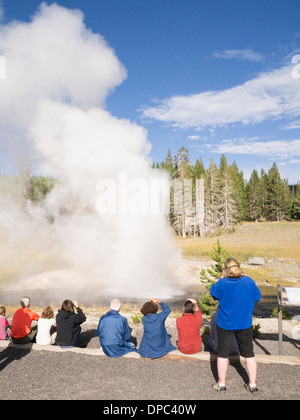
(32, 375)
(43, 375)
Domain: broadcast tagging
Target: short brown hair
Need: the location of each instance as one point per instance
(149, 308)
(68, 306)
(47, 313)
(189, 307)
(232, 269)
(2, 310)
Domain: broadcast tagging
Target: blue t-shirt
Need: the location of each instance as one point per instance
(236, 298)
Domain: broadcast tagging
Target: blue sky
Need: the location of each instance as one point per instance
(215, 76)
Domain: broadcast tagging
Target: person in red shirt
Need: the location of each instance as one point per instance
(21, 330)
(188, 326)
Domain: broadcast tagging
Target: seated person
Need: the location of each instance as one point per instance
(213, 340)
(46, 327)
(188, 326)
(68, 321)
(114, 333)
(4, 326)
(22, 331)
(155, 342)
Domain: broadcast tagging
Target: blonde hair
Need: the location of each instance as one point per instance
(232, 269)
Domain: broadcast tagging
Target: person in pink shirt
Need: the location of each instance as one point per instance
(4, 326)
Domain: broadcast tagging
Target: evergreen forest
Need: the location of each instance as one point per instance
(228, 197)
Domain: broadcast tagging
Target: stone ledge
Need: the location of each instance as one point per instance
(176, 354)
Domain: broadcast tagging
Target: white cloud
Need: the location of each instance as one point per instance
(276, 148)
(271, 95)
(196, 137)
(246, 54)
(295, 125)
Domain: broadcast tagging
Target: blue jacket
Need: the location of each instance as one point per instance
(114, 334)
(156, 342)
(237, 299)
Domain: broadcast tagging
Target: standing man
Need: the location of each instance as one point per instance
(237, 295)
(22, 330)
(114, 333)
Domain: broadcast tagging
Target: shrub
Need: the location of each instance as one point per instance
(285, 313)
(207, 304)
(137, 318)
(256, 331)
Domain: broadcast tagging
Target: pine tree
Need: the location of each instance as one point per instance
(199, 169)
(209, 277)
(182, 202)
(254, 197)
(40, 187)
(297, 201)
(278, 195)
(198, 174)
(169, 164)
(212, 198)
(295, 206)
(239, 192)
(228, 208)
(264, 188)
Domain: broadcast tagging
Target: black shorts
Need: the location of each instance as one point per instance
(243, 338)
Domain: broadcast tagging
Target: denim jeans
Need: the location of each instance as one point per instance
(76, 342)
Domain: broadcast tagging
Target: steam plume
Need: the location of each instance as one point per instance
(52, 107)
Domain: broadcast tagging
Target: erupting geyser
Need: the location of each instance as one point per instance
(52, 111)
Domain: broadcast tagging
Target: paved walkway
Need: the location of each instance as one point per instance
(35, 372)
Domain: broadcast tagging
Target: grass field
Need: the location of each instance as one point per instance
(277, 243)
(268, 240)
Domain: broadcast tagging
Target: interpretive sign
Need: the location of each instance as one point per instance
(286, 296)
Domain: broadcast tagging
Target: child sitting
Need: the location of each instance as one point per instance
(4, 327)
(46, 327)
